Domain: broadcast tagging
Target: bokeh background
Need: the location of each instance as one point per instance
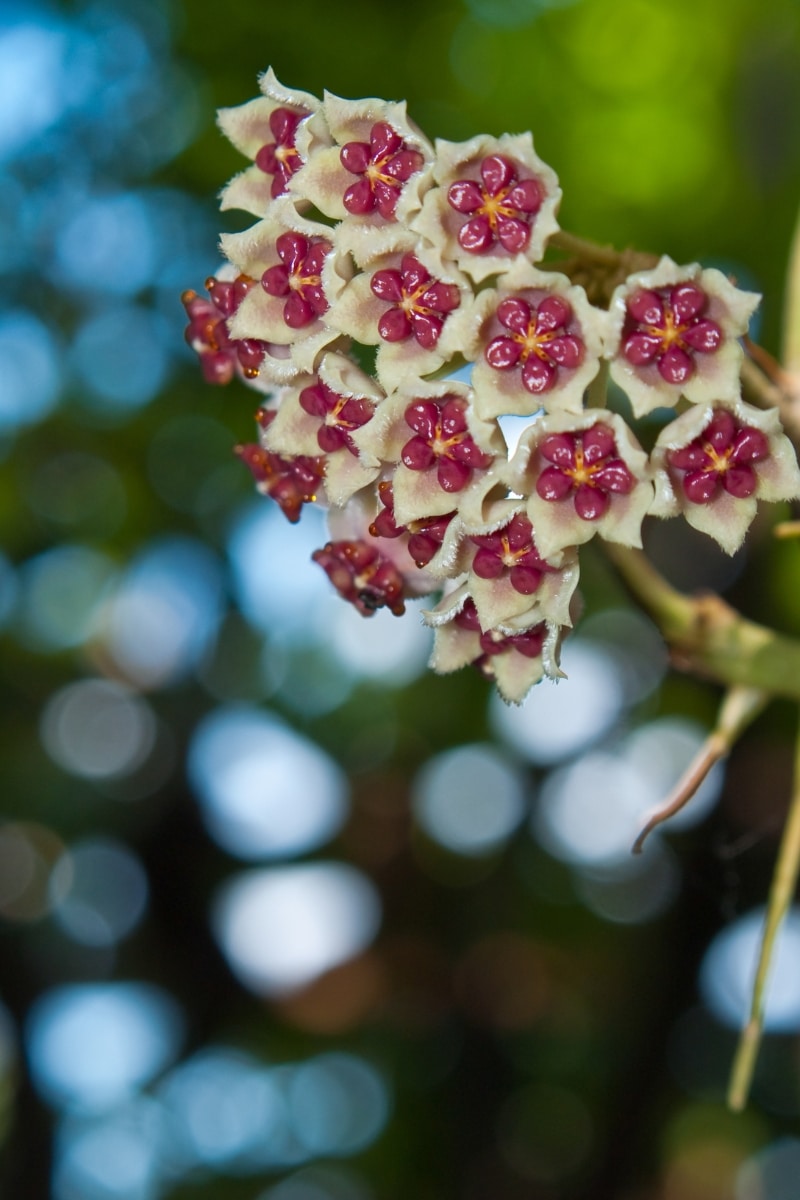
(283, 916)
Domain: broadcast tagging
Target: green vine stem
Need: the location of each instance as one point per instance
(709, 638)
(784, 884)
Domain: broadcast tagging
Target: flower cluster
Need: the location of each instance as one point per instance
(392, 306)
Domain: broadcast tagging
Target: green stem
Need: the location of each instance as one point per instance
(784, 885)
(709, 638)
(597, 393)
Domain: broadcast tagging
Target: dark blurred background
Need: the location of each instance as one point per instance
(282, 915)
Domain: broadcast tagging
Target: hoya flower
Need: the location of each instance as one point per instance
(319, 414)
(516, 656)
(442, 449)
(496, 199)
(433, 543)
(407, 303)
(373, 175)
(673, 332)
(221, 356)
(291, 481)
(583, 475)
(370, 572)
(715, 462)
(508, 576)
(300, 272)
(537, 343)
(363, 576)
(276, 132)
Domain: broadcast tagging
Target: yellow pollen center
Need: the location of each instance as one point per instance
(582, 472)
(441, 445)
(718, 462)
(495, 206)
(670, 333)
(410, 302)
(376, 174)
(510, 556)
(297, 281)
(533, 342)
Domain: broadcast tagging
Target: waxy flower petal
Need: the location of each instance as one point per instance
(715, 462)
(537, 344)
(583, 475)
(373, 175)
(269, 131)
(508, 576)
(673, 332)
(318, 415)
(417, 311)
(435, 544)
(496, 200)
(442, 450)
(516, 656)
(300, 271)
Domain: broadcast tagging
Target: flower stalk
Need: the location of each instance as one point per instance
(782, 891)
(709, 638)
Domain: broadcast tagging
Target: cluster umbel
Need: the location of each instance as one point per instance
(391, 307)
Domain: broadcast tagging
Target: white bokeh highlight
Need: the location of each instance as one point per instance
(264, 790)
(91, 1046)
(470, 799)
(280, 928)
(559, 720)
(97, 729)
(728, 972)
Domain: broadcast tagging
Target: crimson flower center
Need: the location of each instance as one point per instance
(669, 327)
(420, 304)
(722, 457)
(384, 165)
(500, 206)
(443, 440)
(585, 466)
(298, 276)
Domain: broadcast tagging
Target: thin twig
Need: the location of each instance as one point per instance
(790, 342)
(570, 243)
(767, 362)
(784, 885)
(739, 708)
(757, 389)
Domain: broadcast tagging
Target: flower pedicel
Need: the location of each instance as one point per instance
(371, 244)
